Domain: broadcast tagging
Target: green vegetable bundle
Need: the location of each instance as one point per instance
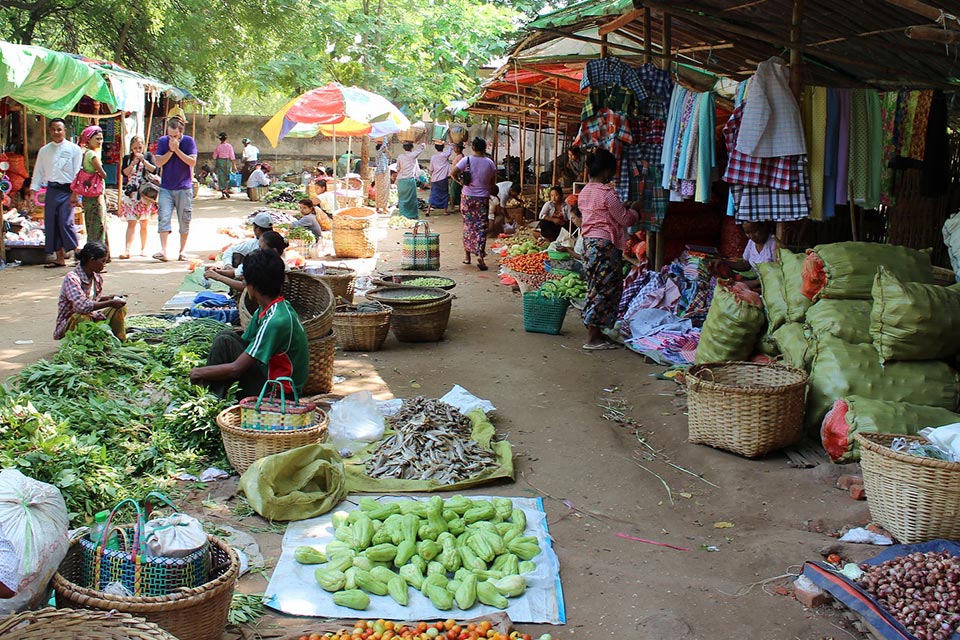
(570, 286)
(455, 552)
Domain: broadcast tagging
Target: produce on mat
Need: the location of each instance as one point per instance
(532, 264)
(912, 321)
(848, 320)
(792, 266)
(456, 552)
(853, 415)
(428, 282)
(734, 321)
(419, 296)
(522, 248)
(195, 336)
(570, 286)
(774, 300)
(432, 441)
(443, 630)
(147, 322)
(847, 269)
(921, 590)
(302, 234)
(284, 193)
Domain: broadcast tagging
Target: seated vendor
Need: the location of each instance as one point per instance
(268, 240)
(258, 178)
(274, 344)
(761, 247)
(312, 218)
(555, 215)
(234, 254)
(325, 199)
(82, 299)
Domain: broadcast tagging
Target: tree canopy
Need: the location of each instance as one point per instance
(254, 55)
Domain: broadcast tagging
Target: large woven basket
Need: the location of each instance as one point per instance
(421, 322)
(745, 407)
(309, 296)
(361, 331)
(78, 624)
(355, 233)
(195, 614)
(914, 498)
(320, 378)
(246, 446)
(340, 280)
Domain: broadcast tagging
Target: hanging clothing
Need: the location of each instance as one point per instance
(763, 204)
(922, 121)
(777, 173)
(612, 72)
(772, 125)
(865, 147)
(815, 119)
(843, 145)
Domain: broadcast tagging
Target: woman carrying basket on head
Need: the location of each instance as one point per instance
(478, 175)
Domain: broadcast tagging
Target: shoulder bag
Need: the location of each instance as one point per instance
(87, 184)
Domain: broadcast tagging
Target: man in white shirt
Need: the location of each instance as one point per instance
(439, 178)
(258, 178)
(408, 169)
(250, 156)
(57, 165)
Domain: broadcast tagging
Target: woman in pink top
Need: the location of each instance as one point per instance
(224, 159)
(475, 199)
(604, 232)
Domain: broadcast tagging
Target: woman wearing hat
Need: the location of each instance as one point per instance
(224, 159)
(93, 208)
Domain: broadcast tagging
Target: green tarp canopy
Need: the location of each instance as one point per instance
(578, 12)
(49, 82)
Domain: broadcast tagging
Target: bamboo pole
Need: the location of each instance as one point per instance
(647, 30)
(536, 161)
(933, 34)
(146, 136)
(622, 21)
(556, 137)
(523, 147)
(796, 56)
(43, 129)
(920, 8)
(26, 143)
(122, 142)
(496, 139)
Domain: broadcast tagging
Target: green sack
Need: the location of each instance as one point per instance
(913, 321)
(792, 341)
(854, 415)
(792, 266)
(730, 330)
(767, 345)
(297, 484)
(774, 300)
(841, 369)
(850, 267)
(848, 320)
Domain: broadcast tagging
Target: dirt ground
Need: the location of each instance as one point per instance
(547, 392)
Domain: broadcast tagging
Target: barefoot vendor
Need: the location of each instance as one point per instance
(274, 344)
(82, 299)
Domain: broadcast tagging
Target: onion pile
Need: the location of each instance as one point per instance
(920, 590)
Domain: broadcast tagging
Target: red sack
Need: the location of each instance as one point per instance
(814, 277)
(834, 432)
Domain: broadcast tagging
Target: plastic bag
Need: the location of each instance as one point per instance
(848, 320)
(33, 517)
(912, 321)
(355, 420)
(297, 484)
(946, 437)
(174, 536)
(733, 323)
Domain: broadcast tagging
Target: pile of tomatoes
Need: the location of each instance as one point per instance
(444, 630)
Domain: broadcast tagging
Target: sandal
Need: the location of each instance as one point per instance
(123, 256)
(482, 265)
(159, 256)
(603, 346)
(183, 258)
(465, 262)
(54, 265)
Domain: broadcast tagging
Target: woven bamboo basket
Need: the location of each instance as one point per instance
(361, 331)
(78, 624)
(320, 378)
(916, 499)
(246, 446)
(421, 322)
(309, 296)
(744, 407)
(354, 233)
(340, 280)
(198, 614)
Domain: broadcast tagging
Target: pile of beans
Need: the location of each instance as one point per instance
(921, 590)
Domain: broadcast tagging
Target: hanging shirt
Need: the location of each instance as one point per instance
(407, 166)
(58, 163)
(440, 165)
(772, 125)
(612, 72)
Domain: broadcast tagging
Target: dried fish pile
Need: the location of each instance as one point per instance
(432, 442)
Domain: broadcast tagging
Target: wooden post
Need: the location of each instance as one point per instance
(796, 55)
(603, 46)
(655, 249)
(646, 36)
(506, 164)
(193, 130)
(523, 147)
(146, 134)
(26, 143)
(122, 141)
(364, 161)
(536, 161)
(496, 139)
(43, 130)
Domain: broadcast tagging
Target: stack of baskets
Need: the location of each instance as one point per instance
(78, 624)
(246, 446)
(322, 348)
(746, 407)
(340, 280)
(914, 498)
(199, 613)
(359, 328)
(355, 233)
(419, 314)
(309, 296)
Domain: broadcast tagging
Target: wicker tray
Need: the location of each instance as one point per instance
(78, 624)
(916, 499)
(399, 296)
(399, 279)
(361, 331)
(246, 446)
(195, 614)
(421, 322)
(320, 378)
(744, 407)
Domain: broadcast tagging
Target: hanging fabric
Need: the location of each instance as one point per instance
(772, 124)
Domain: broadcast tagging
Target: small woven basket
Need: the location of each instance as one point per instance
(272, 414)
(421, 322)
(361, 331)
(78, 624)
(320, 378)
(354, 233)
(542, 314)
(744, 407)
(914, 498)
(340, 280)
(246, 446)
(199, 613)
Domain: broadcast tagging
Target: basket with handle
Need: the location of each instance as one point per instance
(362, 330)
(246, 446)
(421, 248)
(746, 407)
(78, 624)
(914, 498)
(140, 573)
(197, 613)
(354, 233)
(543, 314)
(271, 415)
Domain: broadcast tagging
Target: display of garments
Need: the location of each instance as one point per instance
(921, 122)
(760, 204)
(843, 145)
(831, 143)
(815, 119)
(772, 125)
(605, 72)
(777, 173)
(606, 130)
(689, 152)
(865, 147)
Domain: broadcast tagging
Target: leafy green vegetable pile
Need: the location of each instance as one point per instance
(105, 419)
(287, 192)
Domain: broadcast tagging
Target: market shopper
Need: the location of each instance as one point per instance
(94, 207)
(250, 156)
(81, 295)
(140, 193)
(177, 154)
(274, 344)
(312, 218)
(57, 165)
(408, 170)
(604, 230)
(381, 177)
(477, 174)
(325, 199)
(455, 187)
(439, 178)
(572, 170)
(224, 160)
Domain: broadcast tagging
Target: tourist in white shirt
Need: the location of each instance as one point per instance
(439, 178)
(57, 165)
(408, 169)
